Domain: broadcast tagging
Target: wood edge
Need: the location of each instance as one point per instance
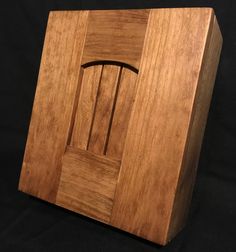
(130, 9)
(51, 12)
(219, 30)
(213, 22)
(168, 236)
(21, 186)
(82, 213)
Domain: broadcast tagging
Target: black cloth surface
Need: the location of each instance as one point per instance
(29, 224)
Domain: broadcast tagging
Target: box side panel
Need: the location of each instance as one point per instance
(196, 132)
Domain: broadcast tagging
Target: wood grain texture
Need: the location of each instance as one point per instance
(158, 129)
(124, 103)
(196, 130)
(87, 183)
(112, 33)
(119, 115)
(86, 105)
(103, 110)
(56, 89)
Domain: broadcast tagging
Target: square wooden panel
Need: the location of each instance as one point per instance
(119, 115)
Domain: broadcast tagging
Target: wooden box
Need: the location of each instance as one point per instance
(119, 115)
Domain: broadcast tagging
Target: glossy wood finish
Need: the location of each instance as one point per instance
(119, 115)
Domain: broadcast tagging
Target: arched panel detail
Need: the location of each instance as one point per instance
(103, 107)
(110, 62)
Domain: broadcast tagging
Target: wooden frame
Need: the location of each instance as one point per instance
(119, 115)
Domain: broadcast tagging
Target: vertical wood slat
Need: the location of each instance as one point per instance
(85, 107)
(122, 112)
(103, 110)
(53, 104)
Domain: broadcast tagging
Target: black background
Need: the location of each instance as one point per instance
(28, 224)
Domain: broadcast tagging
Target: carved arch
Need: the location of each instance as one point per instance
(103, 107)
